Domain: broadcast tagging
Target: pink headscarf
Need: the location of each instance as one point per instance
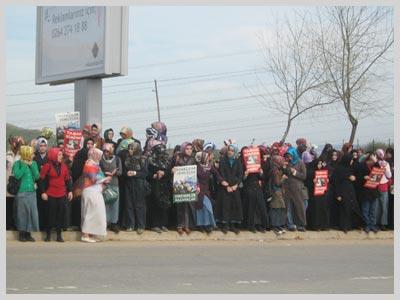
(95, 154)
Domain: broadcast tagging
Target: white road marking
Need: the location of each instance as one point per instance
(13, 289)
(371, 277)
(186, 283)
(252, 281)
(67, 287)
(49, 288)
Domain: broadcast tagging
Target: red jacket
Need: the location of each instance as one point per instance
(57, 185)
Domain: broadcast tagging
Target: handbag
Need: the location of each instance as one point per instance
(13, 185)
(110, 194)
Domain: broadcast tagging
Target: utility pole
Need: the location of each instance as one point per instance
(158, 103)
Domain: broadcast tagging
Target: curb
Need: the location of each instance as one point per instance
(218, 236)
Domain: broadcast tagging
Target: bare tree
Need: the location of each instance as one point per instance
(353, 44)
(291, 60)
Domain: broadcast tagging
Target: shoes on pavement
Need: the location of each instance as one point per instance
(156, 229)
(366, 229)
(60, 239)
(187, 230)
(87, 239)
(302, 229)
(375, 230)
(253, 230)
(165, 229)
(114, 228)
(180, 231)
(29, 238)
(129, 229)
(140, 230)
(224, 229)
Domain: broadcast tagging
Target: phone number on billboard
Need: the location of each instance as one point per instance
(69, 29)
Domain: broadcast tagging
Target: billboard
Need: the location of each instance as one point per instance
(75, 42)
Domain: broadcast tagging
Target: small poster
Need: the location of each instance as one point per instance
(252, 159)
(69, 120)
(375, 178)
(185, 183)
(321, 182)
(72, 141)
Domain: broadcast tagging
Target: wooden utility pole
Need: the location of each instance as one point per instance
(158, 102)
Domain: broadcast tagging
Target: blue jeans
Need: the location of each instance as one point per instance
(382, 209)
(368, 208)
(290, 222)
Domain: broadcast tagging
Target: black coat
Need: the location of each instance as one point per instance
(229, 205)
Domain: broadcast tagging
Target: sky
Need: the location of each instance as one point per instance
(208, 64)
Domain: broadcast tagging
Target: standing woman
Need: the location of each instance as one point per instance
(160, 180)
(345, 194)
(319, 213)
(390, 160)
(368, 197)
(56, 187)
(204, 211)
(94, 220)
(11, 157)
(332, 162)
(111, 166)
(294, 185)
(135, 170)
(27, 172)
(76, 171)
(257, 219)
(229, 205)
(185, 211)
(277, 211)
(382, 212)
(41, 159)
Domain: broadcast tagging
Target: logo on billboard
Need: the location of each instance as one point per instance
(95, 50)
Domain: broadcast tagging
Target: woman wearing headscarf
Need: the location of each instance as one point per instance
(95, 131)
(94, 220)
(197, 145)
(345, 195)
(152, 136)
(294, 187)
(41, 159)
(204, 210)
(383, 188)
(185, 211)
(109, 137)
(159, 177)
(319, 206)
(26, 171)
(111, 166)
(135, 171)
(229, 205)
(56, 190)
(126, 139)
(390, 159)
(11, 157)
(277, 204)
(332, 161)
(368, 196)
(76, 171)
(257, 218)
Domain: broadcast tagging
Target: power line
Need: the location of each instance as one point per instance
(119, 92)
(169, 62)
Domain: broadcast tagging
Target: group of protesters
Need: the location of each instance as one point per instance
(120, 185)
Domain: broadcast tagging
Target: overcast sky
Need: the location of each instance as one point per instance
(173, 42)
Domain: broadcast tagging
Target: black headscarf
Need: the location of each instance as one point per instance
(159, 157)
(136, 161)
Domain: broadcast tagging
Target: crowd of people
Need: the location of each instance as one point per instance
(120, 185)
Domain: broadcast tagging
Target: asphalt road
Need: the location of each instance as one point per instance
(201, 267)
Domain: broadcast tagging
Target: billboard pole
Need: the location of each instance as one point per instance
(88, 101)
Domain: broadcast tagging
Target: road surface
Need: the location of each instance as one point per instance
(201, 267)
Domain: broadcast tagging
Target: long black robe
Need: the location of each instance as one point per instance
(229, 205)
(348, 206)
